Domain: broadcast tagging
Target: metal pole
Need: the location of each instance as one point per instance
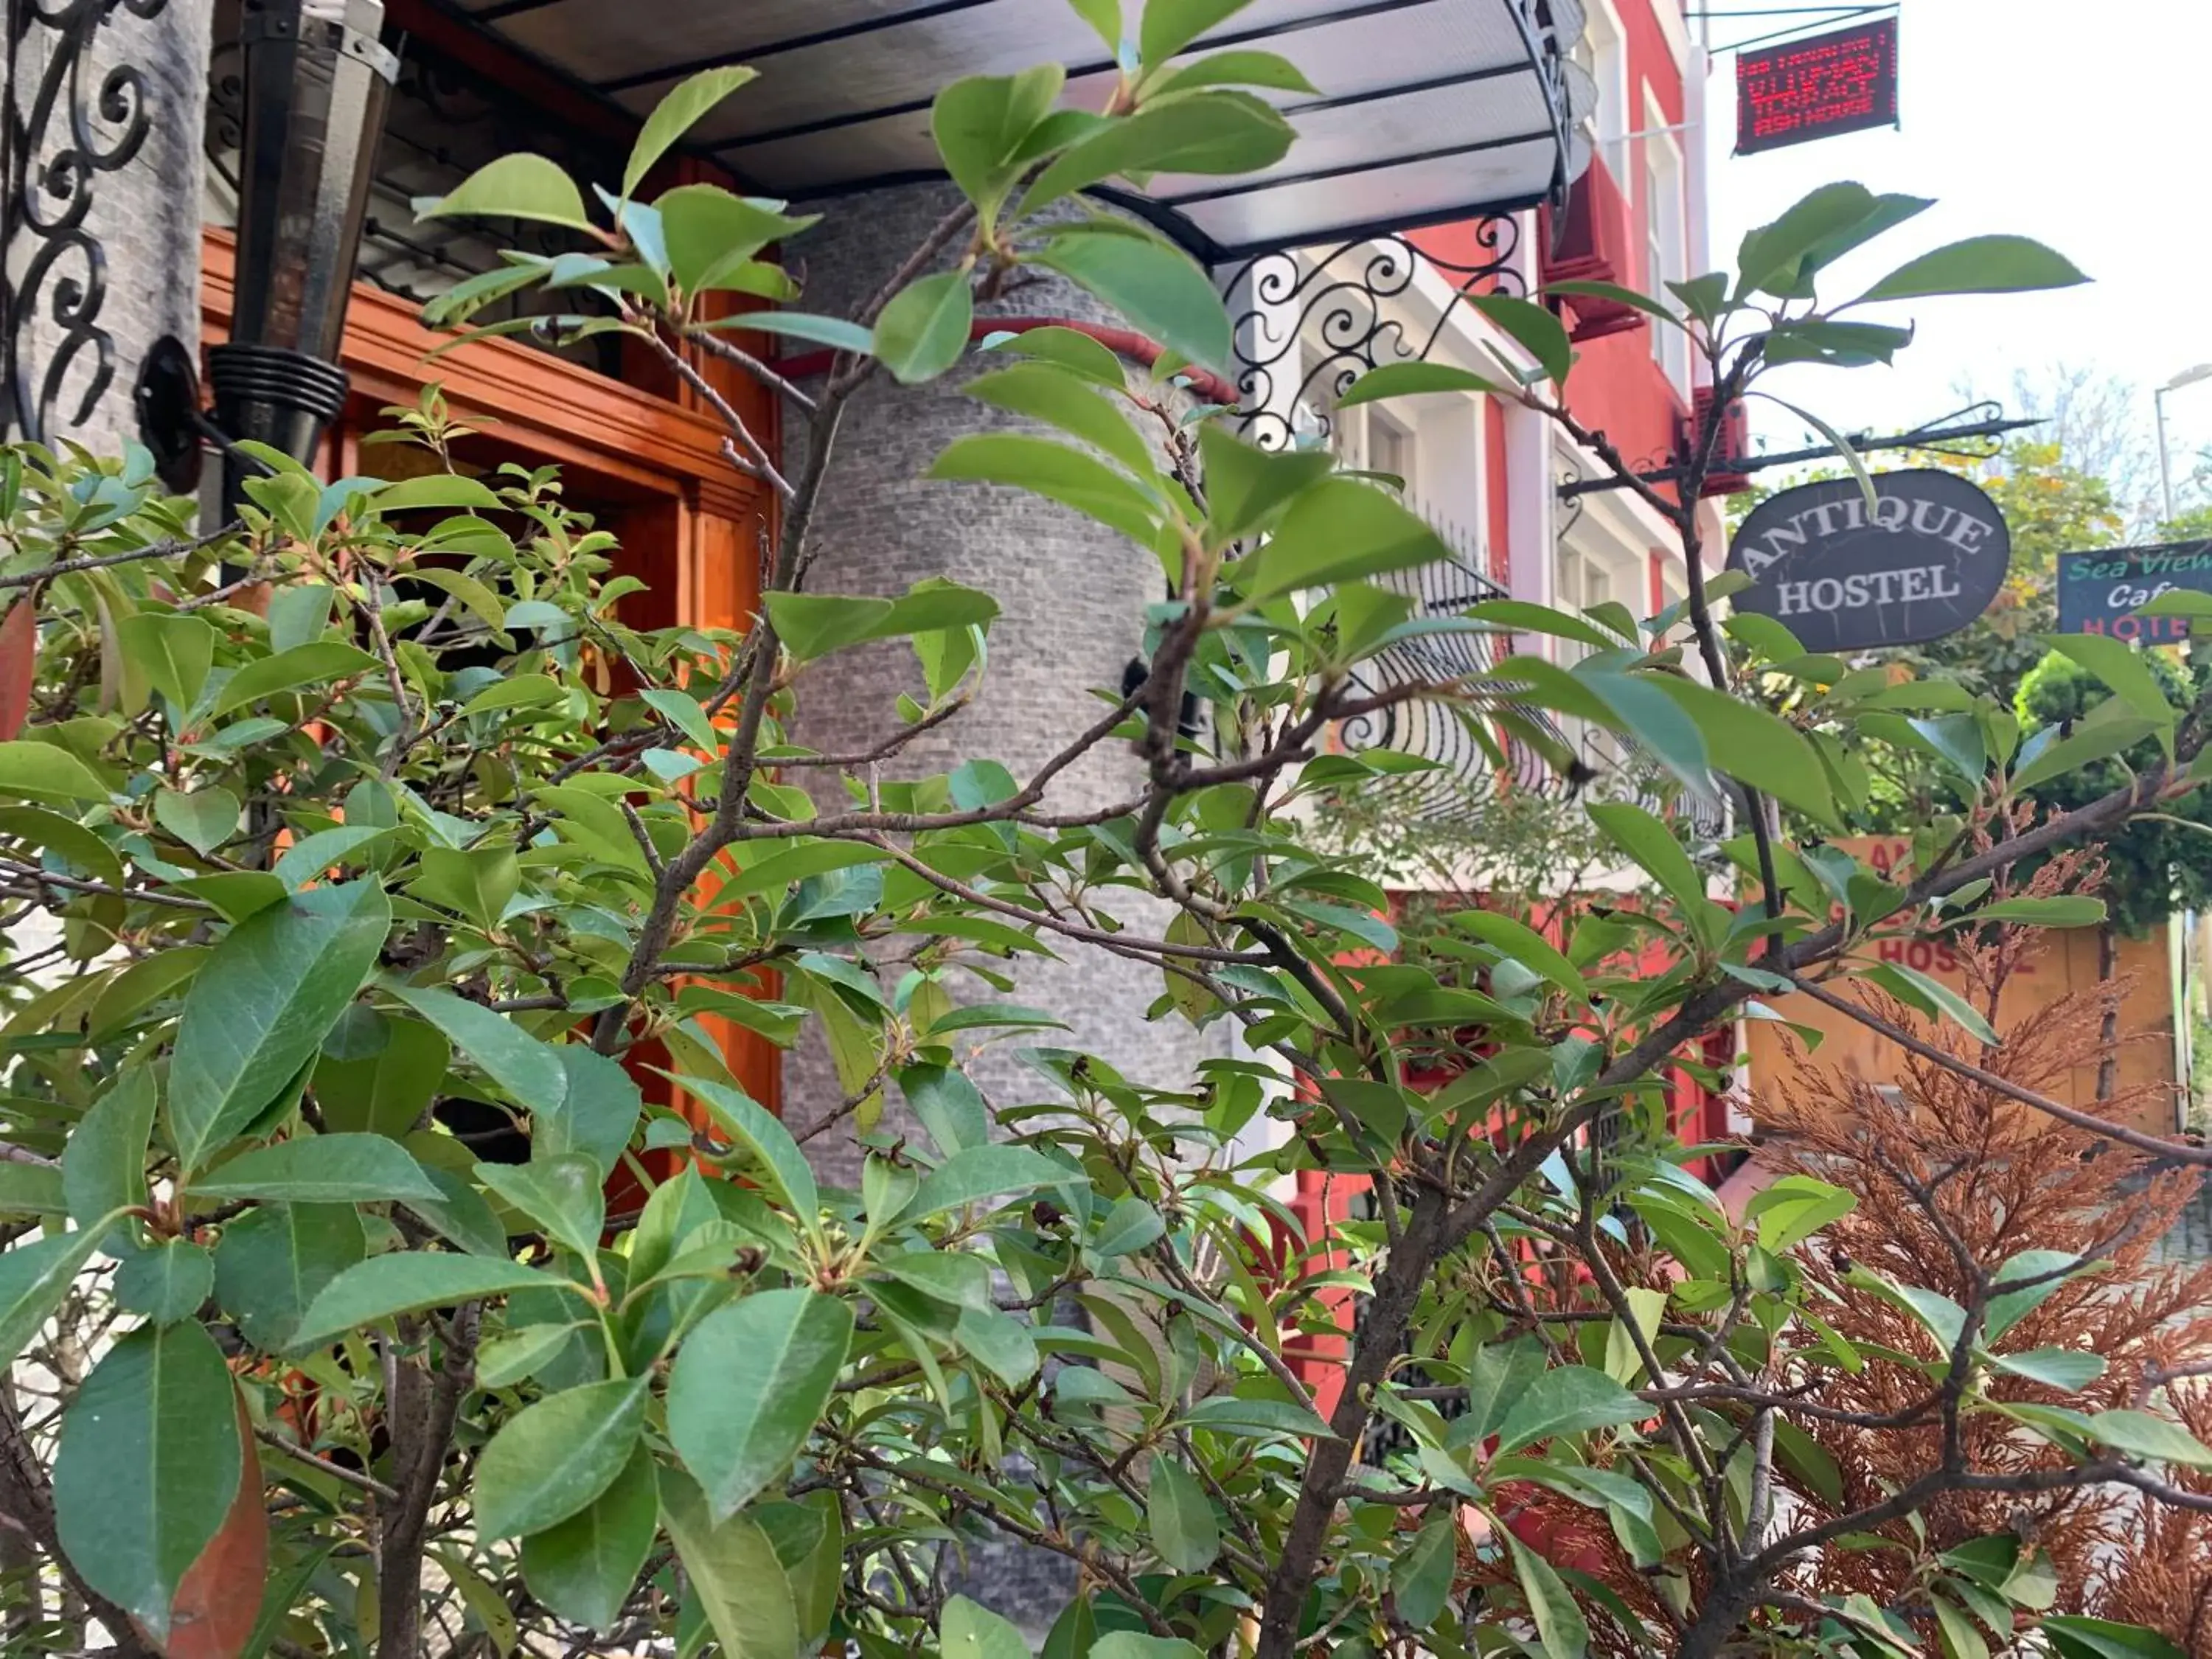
(2165, 466)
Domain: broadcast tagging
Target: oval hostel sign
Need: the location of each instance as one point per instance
(1923, 560)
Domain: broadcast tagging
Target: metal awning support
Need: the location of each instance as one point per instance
(1430, 111)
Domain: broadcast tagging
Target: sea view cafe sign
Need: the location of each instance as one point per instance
(2100, 593)
(1923, 559)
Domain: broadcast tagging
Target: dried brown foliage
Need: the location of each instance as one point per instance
(1953, 1180)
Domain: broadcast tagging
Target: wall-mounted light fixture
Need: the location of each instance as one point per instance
(316, 81)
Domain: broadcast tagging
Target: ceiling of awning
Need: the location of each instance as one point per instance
(1431, 110)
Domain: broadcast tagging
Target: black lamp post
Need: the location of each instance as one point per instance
(316, 80)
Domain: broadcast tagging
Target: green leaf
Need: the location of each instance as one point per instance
(1756, 747)
(40, 771)
(551, 1460)
(1932, 997)
(521, 187)
(408, 1281)
(1226, 1414)
(1073, 477)
(832, 331)
(1960, 1639)
(1793, 1208)
(1525, 945)
(560, 1194)
(948, 1105)
(1069, 349)
(312, 663)
(1171, 25)
(31, 1189)
(748, 1386)
(2090, 742)
(387, 1093)
(712, 233)
(261, 1004)
(2124, 671)
(309, 1169)
(1421, 1577)
(1131, 1226)
(778, 871)
(1181, 1517)
(980, 124)
(1772, 257)
(967, 1629)
(203, 820)
(2061, 910)
(733, 1571)
(584, 1568)
(1205, 132)
(77, 845)
(1979, 265)
(1652, 845)
(528, 1069)
(477, 883)
(1130, 1644)
(598, 1113)
(448, 490)
(1420, 379)
(104, 1163)
(1052, 395)
(1234, 69)
(979, 1172)
(2070, 1368)
(273, 1261)
(680, 109)
(148, 1468)
(2075, 1637)
(174, 651)
(2048, 1269)
(1560, 1627)
(924, 330)
(1246, 486)
(1534, 328)
(2159, 1439)
(762, 1134)
(167, 1283)
(33, 1279)
(1337, 529)
(1159, 289)
(1566, 1399)
(312, 857)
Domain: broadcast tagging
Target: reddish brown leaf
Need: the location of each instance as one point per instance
(19, 657)
(219, 1598)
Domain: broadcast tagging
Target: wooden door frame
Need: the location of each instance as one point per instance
(558, 413)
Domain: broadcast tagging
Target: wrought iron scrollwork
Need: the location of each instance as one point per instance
(1463, 739)
(66, 124)
(1312, 324)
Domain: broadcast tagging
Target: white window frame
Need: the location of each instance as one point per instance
(1602, 52)
(1666, 233)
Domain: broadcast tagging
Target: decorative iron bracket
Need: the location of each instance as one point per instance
(60, 130)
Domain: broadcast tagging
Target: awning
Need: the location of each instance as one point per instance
(1431, 110)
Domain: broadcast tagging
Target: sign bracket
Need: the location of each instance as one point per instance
(1976, 422)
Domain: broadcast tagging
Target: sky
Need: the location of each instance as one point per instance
(2083, 125)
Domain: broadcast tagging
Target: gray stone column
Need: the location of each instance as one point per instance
(124, 83)
(1073, 595)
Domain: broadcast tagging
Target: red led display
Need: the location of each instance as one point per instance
(1812, 88)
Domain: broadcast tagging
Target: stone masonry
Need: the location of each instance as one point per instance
(1073, 595)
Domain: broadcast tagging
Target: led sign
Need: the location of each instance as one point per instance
(1817, 86)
